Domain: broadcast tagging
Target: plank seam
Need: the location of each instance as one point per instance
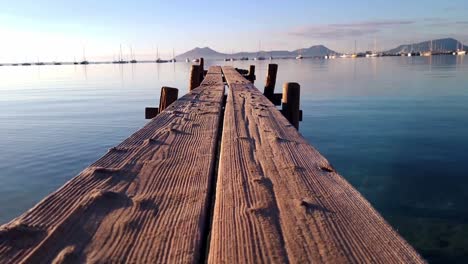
(208, 225)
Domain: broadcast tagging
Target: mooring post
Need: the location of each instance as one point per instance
(202, 69)
(291, 103)
(195, 79)
(270, 81)
(251, 75)
(168, 96)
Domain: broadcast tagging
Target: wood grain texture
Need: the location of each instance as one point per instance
(278, 200)
(145, 201)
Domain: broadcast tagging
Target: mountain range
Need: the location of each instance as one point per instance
(445, 44)
(211, 54)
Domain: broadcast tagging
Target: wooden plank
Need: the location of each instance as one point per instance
(278, 200)
(145, 201)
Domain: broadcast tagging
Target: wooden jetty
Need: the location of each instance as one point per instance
(211, 178)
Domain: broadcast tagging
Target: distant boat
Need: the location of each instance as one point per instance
(159, 60)
(57, 63)
(427, 53)
(373, 53)
(121, 60)
(84, 61)
(460, 51)
(187, 60)
(196, 60)
(258, 58)
(132, 55)
(14, 64)
(270, 58)
(299, 57)
(244, 58)
(39, 63)
(26, 64)
(173, 56)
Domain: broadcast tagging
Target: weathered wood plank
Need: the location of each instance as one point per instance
(145, 201)
(278, 200)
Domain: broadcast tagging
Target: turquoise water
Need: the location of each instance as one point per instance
(396, 128)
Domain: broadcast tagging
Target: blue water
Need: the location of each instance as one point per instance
(396, 128)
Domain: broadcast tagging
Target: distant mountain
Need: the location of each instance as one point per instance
(446, 44)
(211, 54)
(205, 53)
(313, 51)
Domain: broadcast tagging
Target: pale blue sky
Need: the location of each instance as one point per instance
(58, 29)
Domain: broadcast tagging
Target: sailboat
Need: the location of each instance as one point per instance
(460, 51)
(173, 56)
(120, 61)
(354, 55)
(374, 53)
(259, 50)
(84, 62)
(428, 53)
(132, 55)
(158, 60)
(299, 57)
(411, 51)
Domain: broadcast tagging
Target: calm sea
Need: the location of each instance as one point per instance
(395, 127)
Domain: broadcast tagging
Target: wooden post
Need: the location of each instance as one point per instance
(194, 77)
(151, 112)
(270, 82)
(202, 69)
(291, 101)
(251, 76)
(168, 96)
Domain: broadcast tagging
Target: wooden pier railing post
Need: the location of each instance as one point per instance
(270, 83)
(195, 75)
(202, 69)
(251, 75)
(168, 96)
(291, 103)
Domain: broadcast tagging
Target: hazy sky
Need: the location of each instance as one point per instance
(59, 29)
